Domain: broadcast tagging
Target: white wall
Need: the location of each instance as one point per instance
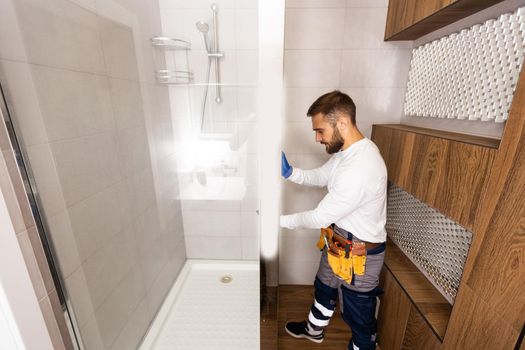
(331, 45)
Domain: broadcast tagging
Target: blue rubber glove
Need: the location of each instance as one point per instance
(286, 169)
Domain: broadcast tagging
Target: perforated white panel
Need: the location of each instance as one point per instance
(468, 75)
(436, 244)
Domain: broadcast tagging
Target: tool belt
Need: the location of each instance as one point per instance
(346, 258)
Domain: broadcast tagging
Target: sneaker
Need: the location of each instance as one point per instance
(298, 330)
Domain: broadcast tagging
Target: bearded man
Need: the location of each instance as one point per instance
(354, 210)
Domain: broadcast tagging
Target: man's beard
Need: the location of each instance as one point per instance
(335, 144)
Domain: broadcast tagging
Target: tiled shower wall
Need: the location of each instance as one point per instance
(218, 173)
(97, 129)
(336, 44)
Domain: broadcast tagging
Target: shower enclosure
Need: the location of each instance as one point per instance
(137, 124)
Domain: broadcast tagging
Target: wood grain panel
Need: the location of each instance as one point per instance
(466, 171)
(427, 168)
(438, 168)
(500, 247)
(411, 19)
(477, 325)
(491, 299)
(422, 294)
(393, 313)
(417, 334)
(382, 138)
(399, 157)
(447, 135)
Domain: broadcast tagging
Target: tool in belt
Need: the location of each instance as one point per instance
(345, 257)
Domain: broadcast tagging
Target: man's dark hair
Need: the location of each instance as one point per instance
(331, 104)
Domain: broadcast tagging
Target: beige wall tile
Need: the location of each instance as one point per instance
(152, 257)
(43, 168)
(126, 100)
(119, 306)
(247, 63)
(246, 28)
(131, 334)
(365, 28)
(11, 42)
(86, 165)
(304, 241)
(312, 68)
(217, 223)
(79, 293)
(158, 290)
(298, 198)
(64, 242)
(141, 191)
(314, 3)
(95, 220)
(21, 95)
(51, 28)
(299, 138)
(299, 99)
(98, 272)
(314, 29)
(91, 336)
(119, 49)
(366, 3)
(73, 104)
(375, 68)
(199, 247)
(133, 150)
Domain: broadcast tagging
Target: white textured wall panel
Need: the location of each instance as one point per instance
(471, 74)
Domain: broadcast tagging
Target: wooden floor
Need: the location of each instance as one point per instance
(294, 305)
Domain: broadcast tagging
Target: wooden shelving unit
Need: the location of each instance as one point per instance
(411, 19)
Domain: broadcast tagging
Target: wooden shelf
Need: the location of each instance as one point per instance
(447, 135)
(411, 19)
(432, 306)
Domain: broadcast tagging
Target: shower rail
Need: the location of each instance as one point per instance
(215, 53)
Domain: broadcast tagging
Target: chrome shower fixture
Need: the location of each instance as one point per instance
(213, 54)
(213, 51)
(203, 27)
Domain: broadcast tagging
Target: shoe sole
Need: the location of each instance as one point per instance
(318, 341)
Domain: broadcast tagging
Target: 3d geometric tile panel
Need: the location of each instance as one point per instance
(437, 245)
(469, 75)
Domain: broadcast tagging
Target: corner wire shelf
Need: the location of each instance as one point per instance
(170, 43)
(167, 76)
(172, 76)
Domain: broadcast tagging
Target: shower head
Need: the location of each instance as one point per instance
(203, 27)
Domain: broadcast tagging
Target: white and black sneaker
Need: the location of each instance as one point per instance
(298, 330)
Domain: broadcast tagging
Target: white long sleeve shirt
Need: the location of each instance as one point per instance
(356, 179)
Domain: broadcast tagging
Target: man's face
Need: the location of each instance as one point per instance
(327, 134)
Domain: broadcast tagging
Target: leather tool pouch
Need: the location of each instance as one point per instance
(359, 257)
(339, 253)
